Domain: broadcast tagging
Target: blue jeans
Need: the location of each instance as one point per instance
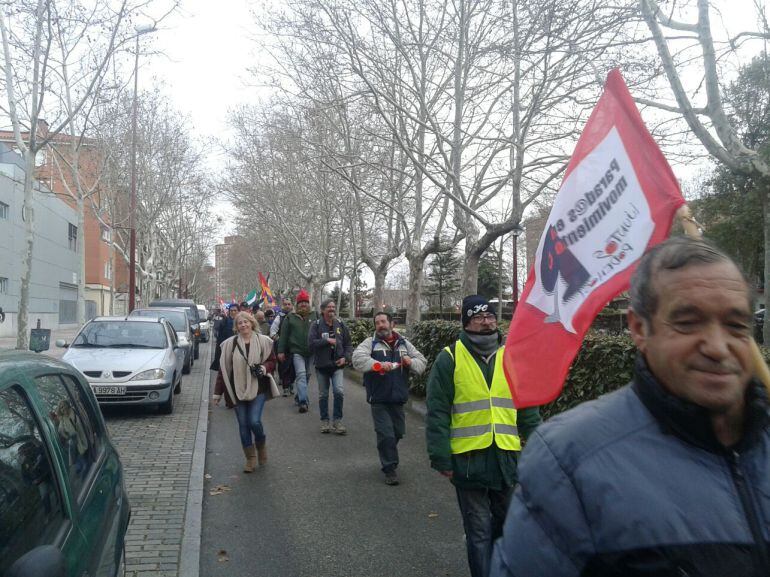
(302, 370)
(336, 382)
(249, 415)
(483, 512)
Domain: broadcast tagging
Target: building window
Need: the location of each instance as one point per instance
(4, 211)
(72, 237)
(108, 270)
(106, 234)
(3, 285)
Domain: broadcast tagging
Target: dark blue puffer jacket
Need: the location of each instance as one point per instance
(635, 483)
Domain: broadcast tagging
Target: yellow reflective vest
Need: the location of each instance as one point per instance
(481, 414)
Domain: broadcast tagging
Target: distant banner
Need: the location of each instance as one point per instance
(618, 199)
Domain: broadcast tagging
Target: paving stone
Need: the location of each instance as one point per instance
(156, 452)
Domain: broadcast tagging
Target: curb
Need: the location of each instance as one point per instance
(189, 563)
(415, 405)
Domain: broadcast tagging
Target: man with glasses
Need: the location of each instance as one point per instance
(473, 431)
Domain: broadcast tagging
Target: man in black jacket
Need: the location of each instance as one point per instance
(667, 476)
(329, 343)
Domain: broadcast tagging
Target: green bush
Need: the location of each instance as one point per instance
(360, 329)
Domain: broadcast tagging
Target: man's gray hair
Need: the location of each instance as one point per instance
(673, 254)
(326, 302)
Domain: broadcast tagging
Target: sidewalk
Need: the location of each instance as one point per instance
(54, 351)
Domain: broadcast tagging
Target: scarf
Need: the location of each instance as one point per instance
(484, 345)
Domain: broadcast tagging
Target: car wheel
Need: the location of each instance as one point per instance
(178, 387)
(168, 407)
(187, 366)
(196, 350)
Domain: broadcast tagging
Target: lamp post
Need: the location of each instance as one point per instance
(517, 230)
(132, 208)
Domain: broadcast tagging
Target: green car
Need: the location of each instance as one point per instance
(63, 505)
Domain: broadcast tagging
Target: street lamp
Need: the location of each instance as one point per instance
(517, 230)
(132, 209)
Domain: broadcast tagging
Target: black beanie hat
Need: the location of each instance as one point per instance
(475, 305)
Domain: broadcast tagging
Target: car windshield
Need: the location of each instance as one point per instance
(122, 334)
(178, 319)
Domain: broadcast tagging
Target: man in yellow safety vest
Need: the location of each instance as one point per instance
(473, 430)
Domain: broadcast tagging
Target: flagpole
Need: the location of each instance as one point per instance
(692, 230)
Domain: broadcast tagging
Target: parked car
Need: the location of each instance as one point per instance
(128, 360)
(178, 319)
(63, 501)
(205, 323)
(192, 316)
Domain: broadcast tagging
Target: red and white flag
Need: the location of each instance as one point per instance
(618, 198)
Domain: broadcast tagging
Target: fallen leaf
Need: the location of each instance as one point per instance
(222, 556)
(219, 489)
(432, 515)
(207, 476)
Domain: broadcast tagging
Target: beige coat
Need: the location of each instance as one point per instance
(246, 387)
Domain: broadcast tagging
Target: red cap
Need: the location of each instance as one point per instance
(303, 296)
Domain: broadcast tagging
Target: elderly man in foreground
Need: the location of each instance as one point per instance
(670, 475)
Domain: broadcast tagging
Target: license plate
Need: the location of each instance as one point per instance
(109, 390)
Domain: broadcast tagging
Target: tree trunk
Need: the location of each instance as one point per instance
(352, 300)
(315, 298)
(22, 338)
(471, 269)
(766, 214)
(416, 265)
(500, 282)
(378, 298)
(81, 247)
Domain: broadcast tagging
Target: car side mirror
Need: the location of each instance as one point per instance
(62, 344)
(43, 561)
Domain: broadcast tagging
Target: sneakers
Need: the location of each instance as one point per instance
(339, 428)
(303, 408)
(286, 391)
(391, 478)
(325, 427)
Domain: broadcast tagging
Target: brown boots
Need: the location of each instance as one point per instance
(262, 452)
(251, 459)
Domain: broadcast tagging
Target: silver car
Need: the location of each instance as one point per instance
(204, 323)
(178, 319)
(128, 360)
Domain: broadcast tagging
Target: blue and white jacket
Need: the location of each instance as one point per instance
(636, 483)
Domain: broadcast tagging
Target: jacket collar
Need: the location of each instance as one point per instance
(398, 341)
(691, 422)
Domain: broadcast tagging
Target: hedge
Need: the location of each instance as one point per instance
(604, 363)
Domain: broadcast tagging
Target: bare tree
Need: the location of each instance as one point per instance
(696, 64)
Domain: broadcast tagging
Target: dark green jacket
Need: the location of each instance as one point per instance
(293, 339)
(490, 468)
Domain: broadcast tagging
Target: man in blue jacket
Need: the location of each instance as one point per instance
(386, 359)
(667, 476)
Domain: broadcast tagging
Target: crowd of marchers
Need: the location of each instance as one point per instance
(666, 476)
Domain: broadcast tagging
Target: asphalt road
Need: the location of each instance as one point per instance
(320, 507)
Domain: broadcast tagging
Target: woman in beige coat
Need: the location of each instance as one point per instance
(246, 364)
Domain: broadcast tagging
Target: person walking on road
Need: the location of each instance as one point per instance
(387, 389)
(669, 474)
(292, 345)
(329, 343)
(225, 330)
(264, 327)
(246, 383)
(473, 431)
(286, 367)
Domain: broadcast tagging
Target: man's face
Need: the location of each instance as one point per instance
(286, 306)
(330, 311)
(382, 326)
(698, 343)
(260, 316)
(482, 323)
(233, 312)
(303, 307)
